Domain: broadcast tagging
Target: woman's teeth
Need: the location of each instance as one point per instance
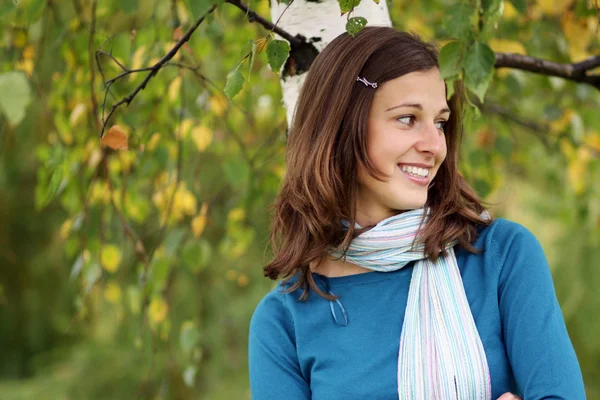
(416, 171)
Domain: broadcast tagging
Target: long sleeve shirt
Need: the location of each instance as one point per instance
(297, 351)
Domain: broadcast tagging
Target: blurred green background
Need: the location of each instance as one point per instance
(134, 273)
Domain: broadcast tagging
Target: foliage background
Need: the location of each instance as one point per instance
(196, 183)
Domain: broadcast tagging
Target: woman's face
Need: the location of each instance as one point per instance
(405, 142)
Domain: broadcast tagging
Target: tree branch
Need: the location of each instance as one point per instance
(254, 17)
(92, 70)
(577, 72)
(154, 69)
(538, 130)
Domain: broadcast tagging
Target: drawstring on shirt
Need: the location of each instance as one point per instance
(332, 304)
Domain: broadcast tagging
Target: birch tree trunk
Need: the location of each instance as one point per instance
(319, 23)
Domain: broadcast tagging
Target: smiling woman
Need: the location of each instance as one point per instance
(396, 282)
(406, 142)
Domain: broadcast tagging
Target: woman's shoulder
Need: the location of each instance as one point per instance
(503, 234)
(274, 305)
(510, 245)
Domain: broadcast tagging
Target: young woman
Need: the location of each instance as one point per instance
(396, 281)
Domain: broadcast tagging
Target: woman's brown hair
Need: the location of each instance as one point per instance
(328, 141)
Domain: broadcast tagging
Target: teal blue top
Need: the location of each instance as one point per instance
(298, 351)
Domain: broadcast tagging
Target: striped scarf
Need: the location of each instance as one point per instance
(441, 355)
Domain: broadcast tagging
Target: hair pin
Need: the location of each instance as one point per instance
(367, 83)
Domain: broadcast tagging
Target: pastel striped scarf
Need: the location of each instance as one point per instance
(441, 355)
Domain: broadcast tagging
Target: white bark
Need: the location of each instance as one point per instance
(319, 20)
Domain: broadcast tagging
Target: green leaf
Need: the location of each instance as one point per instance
(199, 7)
(277, 52)
(479, 68)
(449, 88)
(34, 10)
(236, 171)
(6, 7)
(235, 83)
(173, 241)
(504, 147)
(493, 10)
(450, 59)
(196, 254)
(482, 187)
(458, 21)
(520, 5)
(355, 25)
(189, 336)
(50, 183)
(129, 6)
(348, 5)
(251, 63)
(15, 95)
(189, 375)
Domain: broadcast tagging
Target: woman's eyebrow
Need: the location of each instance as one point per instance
(417, 106)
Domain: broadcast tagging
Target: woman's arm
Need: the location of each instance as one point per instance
(537, 343)
(273, 362)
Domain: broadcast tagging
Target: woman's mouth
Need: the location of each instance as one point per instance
(415, 174)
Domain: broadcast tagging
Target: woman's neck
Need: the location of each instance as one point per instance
(333, 268)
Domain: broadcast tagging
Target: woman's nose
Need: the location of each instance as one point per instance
(432, 140)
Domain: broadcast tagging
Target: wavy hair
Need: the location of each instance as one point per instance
(328, 142)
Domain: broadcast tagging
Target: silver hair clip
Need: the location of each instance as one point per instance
(367, 83)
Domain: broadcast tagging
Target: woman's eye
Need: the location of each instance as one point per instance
(406, 119)
(441, 125)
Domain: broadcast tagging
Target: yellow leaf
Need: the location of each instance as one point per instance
(507, 46)
(218, 104)
(183, 203)
(29, 52)
(174, 88)
(65, 229)
(25, 66)
(419, 27)
(509, 10)
(563, 122)
(567, 149)
(110, 257)
(95, 157)
(553, 7)
(137, 59)
(578, 33)
(593, 140)
(183, 130)
(182, 13)
(231, 275)
(199, 221)
(202, 137)
(236, 215)
(172, 149)
(279, 170)
(261, 44)
(66, 137)
(239, 249)
(99, 192)
(243, 280)
(112, 293)
(158, 310)
(87, 256)
(127, 159)
(577, 169)
(114, 165)
(19, 38)
(70, 58)
(115, 138)
(153, 142)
